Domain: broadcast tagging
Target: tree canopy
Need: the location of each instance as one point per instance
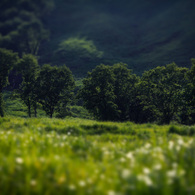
(54, 85)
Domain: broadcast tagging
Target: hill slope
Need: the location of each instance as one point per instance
(141, 33)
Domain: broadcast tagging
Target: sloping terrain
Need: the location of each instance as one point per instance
(141, 33)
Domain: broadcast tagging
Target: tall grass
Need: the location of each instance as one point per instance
(52, 156)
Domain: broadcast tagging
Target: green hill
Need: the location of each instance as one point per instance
(141, 33)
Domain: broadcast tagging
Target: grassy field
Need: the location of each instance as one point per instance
(77, 156)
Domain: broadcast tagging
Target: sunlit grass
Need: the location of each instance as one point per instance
(52, 156)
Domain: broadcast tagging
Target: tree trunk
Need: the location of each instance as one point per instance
(35, 109)
(29, 108)
(1, 105)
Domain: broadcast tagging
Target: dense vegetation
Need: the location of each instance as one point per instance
(45, 46)
(49, 156)
(85, 33)
(114, 93)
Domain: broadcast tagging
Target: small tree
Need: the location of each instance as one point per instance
(54, 87)
(7, 60)
(28, 67)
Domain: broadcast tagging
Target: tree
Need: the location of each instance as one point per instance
(98, 93)
(7, 60)
(22, 26)
(28, 67)
(124, 90)
(188, 112)
(162, 90)
(54, 87)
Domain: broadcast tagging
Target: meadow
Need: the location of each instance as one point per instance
(80, 156)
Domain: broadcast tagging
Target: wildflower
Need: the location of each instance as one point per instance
(69, 133)
(122, 159)
(33, 182)
(145, 179)
(125, 173)
(111, 192)
(146, 170)
(129, 155)
(72, 187)
(157, 167)
(148, 145)
(19, 160)
(82, 183)
(171, 144)
(180, 141)
(178, 148)
(171, 173)
(174, 165)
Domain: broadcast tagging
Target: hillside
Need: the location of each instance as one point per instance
(141, 33)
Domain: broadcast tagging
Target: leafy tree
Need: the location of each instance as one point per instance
(162, 90)
(188, 111)
(22, 26)
(125, 91)
(7, 60)
(98, 93)
(28, 67)
(79, 53)
(54, 87)
(79, 47)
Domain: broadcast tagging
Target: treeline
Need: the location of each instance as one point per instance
(162, 94)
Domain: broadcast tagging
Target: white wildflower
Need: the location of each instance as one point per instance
(171, 144)
(171, 173)
(19, 160)
(122, 160)
(129, 155)
(175, 165)
(111, 192)
(72, 187)
(82, 183)
(125, 173)
(148, 145)
(145, 179)
(178, 148)
(69, 133)
(157, 167)
(180, 141)
(33, 182)
(146, 170)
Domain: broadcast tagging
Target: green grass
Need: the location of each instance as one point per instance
(77, 156)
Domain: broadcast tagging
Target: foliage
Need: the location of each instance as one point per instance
(28, 67)
(79, 48)
(7, 60)
(54, 88)
(22, 24)
(144, 160)
(162, 91)
(98, 93)
(124, 90)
